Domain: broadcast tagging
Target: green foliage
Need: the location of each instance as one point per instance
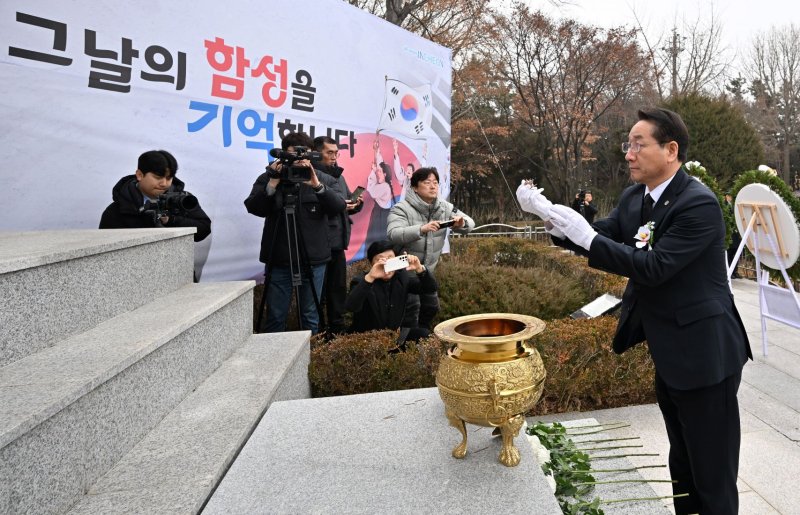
(720, 137)
(782, 189)
(570, 468)
(697, 170)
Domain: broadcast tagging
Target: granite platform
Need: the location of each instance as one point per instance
(376, 453)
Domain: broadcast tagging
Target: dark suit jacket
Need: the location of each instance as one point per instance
(677, 296)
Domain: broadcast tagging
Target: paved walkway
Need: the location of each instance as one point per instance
(769, 402)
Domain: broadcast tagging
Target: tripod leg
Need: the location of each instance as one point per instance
(263, 303)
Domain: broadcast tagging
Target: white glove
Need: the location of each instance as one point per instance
(531, 200)
(573, 225)
(551, 229)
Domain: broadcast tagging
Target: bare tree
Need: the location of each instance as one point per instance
(565, 77)
(775, 76)
(393, 11)
(691, 60)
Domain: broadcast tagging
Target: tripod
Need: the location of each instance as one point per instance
(298, 256)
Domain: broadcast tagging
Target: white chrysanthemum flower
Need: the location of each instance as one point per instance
(540, 451)
(551, 481)
(769, 170)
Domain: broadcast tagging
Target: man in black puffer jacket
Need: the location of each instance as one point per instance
(335, 289)
(134, 195)
(272, 198)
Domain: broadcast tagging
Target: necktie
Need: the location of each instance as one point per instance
(647, 209)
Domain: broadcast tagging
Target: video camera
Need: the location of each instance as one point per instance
(289, 172)
(171, 203)
(582, 195)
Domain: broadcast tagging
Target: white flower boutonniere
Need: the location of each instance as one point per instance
(645, 236)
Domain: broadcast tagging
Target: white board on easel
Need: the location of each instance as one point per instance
(770, 231)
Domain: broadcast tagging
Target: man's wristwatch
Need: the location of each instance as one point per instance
(319, 188)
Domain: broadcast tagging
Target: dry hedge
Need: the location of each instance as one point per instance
(509, 275)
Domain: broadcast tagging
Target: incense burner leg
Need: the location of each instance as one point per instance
(460, 450)
(509, 455)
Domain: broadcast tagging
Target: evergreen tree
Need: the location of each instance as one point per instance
(720, 137)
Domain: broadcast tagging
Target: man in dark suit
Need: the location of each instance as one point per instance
(672, 249)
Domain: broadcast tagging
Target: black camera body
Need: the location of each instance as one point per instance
(582, 195)
(289, 172)
(171, 203)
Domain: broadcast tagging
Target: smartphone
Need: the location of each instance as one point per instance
(396, 263)
(446, 223)
(357, 193)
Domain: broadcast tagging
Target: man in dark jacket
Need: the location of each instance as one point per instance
(667, 235)
(135, 198)
(583, 205)
(274, 197)
(335, 289)
(378, 299)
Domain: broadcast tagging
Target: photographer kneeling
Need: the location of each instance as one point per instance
(290, 184)
(154, 197)
(378, 299)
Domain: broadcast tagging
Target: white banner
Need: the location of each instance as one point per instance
(88, 87)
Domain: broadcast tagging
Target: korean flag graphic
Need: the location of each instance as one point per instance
(406, 110)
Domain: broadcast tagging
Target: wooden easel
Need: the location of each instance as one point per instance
(776, 303)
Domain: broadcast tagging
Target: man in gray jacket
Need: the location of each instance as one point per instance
(418, 223)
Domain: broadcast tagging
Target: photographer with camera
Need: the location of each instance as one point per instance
(295, 206)
(154, 197)
(378, 299)
(583, 205)
(335, 289)
(418, 223)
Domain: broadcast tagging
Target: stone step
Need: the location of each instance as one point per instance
(69, 412)
(177, 465)
(384, 452)
(55, 284)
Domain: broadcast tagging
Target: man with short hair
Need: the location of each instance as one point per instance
(583, 205)
(335, 288)
(378, 298)
(667, 235)
(135, 198)
(415, 224)
(311, 201)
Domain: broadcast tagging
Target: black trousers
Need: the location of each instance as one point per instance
(704, 436)
(421, 310)
(335, 291)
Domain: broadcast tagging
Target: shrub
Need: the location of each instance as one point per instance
(519, 252)
(361, 363)
(466, 289)
(584, 373)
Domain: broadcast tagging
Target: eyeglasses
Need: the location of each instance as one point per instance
(634, 147)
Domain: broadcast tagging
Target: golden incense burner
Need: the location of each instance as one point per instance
(489, 376)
